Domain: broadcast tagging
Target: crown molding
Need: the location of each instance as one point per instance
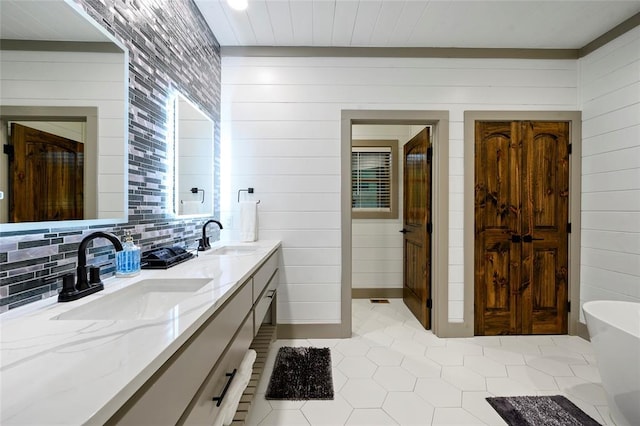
(610, 35)
(395, 52)
(60, 46)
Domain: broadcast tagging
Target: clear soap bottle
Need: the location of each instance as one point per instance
(128, 260)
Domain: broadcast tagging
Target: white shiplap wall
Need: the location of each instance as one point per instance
(281, 129)
(610, 102)
(78, 79)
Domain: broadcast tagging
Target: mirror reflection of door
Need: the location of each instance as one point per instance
(416, 291)
(46, 174)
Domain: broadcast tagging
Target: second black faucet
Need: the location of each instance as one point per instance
(203, 243)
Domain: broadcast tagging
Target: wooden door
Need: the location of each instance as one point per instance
(46, 174)
(417, 227)
(521, 227)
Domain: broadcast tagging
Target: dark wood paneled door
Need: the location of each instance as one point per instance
(46, 174)
(417, 226)
(521, 227)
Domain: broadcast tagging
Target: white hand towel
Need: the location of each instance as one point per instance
(247, 362)
(248, 221)
(228, 408)
(233, 398)
(191, 207)
(239, 384)
(219, 420)
(234, 402)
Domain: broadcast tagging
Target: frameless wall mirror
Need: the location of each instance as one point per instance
(193, 160)
(63, 118)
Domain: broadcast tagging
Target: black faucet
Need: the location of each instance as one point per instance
(83, 287)
(203, 243)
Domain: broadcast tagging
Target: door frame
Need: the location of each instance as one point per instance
(575, 136)
(440, 208)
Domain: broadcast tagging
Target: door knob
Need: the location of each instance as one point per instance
(404, 231)
(529, 238)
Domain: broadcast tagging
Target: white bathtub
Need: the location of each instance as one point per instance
(614, 328)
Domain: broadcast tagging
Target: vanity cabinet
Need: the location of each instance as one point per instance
(265, 302)
(263, 276)
(204, 409)
(182, 390)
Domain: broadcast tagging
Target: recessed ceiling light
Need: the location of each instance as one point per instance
(238, 4)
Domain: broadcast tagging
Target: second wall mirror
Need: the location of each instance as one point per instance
(193, 160)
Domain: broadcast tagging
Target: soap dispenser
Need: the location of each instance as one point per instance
(128, 260)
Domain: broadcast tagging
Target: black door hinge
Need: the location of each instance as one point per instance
(429, 303)
(569, 149)
(429, 153)
(430, 228)
(8, 149)
(568, 305)
(568, 228)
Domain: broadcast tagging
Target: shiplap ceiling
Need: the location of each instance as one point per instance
(559, 24)
(45, 20)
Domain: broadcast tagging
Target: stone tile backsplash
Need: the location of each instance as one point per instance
(171, 49)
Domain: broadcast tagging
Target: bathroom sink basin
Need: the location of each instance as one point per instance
(233, 250)
(144, 300)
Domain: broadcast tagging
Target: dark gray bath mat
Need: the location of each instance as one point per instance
(553, 410)
(300, 374)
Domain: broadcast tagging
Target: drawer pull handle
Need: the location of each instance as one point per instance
(226, 387)
(273, 293)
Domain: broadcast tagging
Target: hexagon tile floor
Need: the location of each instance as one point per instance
(393, 372)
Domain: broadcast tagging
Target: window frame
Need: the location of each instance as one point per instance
(393, 187)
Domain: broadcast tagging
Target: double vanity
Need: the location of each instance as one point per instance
(156, 348)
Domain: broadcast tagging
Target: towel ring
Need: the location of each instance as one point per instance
(196, 190)
(248, 190)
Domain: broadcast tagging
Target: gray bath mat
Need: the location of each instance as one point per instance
(540, 411)
(301, 374)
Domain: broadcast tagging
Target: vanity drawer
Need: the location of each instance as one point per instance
(204, 411)
(163, 399)
(268, 296)
(263, 275)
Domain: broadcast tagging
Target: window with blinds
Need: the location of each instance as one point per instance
(373, 193)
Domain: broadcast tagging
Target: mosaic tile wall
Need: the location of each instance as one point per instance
(170, 48)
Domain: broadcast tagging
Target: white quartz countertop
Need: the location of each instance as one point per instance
(69, 372)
